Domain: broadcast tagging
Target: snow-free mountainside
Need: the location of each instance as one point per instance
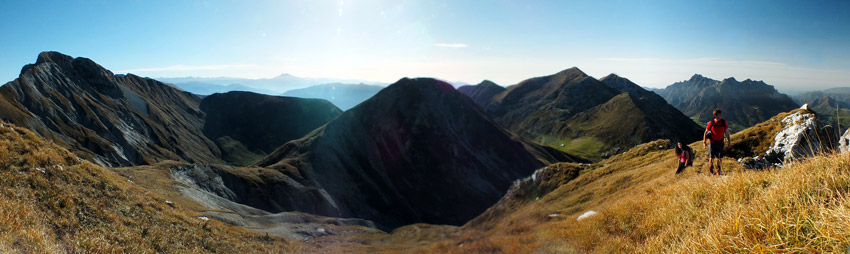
(93, 162)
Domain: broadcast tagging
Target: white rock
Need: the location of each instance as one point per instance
(586, 214)
(805, 106)
(799, 138)
(844, 143)
(204, 218)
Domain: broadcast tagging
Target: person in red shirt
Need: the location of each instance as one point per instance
(715, 132)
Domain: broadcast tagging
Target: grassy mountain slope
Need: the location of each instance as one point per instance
(53, 202)
(576, 113)
(643, 207)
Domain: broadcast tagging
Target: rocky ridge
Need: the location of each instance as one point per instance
(744, 103)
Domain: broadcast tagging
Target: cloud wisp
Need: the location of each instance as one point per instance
(190, 68)
(451, 45)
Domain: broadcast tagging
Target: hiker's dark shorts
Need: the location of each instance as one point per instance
(715, 150)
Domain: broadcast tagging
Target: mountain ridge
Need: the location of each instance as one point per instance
(562, 106)
(744, 103)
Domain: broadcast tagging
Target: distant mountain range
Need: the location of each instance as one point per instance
(832, 105)
(744, 103)
(204, 89)
(344, 96)
(273, 86)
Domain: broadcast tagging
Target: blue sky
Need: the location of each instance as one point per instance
(794, 45)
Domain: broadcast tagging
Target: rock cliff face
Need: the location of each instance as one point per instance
(844, 142)
(744, 103)
(801, 137)
(115, 120)
(250, 191)
(482, 92)
(418, 151)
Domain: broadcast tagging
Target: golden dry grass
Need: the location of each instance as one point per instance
(53, 202)
(801, 208)
(643, 207)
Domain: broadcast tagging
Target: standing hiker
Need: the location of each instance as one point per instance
(716, 133)
(684, 155)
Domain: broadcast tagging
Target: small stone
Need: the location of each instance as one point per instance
(204, 218)
(586, 214)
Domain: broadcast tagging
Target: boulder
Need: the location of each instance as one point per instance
(801, 136)
(844, 142)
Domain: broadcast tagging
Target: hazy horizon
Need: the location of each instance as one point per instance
(794, 46)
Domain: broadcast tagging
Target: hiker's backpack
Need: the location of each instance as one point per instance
(691, 156)
(709, 133)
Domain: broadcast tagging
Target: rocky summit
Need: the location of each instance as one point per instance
(124, 120)
(115, 120)
(744, 103)
(418, 151)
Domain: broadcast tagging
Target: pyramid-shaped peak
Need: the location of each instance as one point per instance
(613, 76)
(697, 77)
(572, 71)
(284, 76)
(54, 57)
(487, 83)
(417, 85)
